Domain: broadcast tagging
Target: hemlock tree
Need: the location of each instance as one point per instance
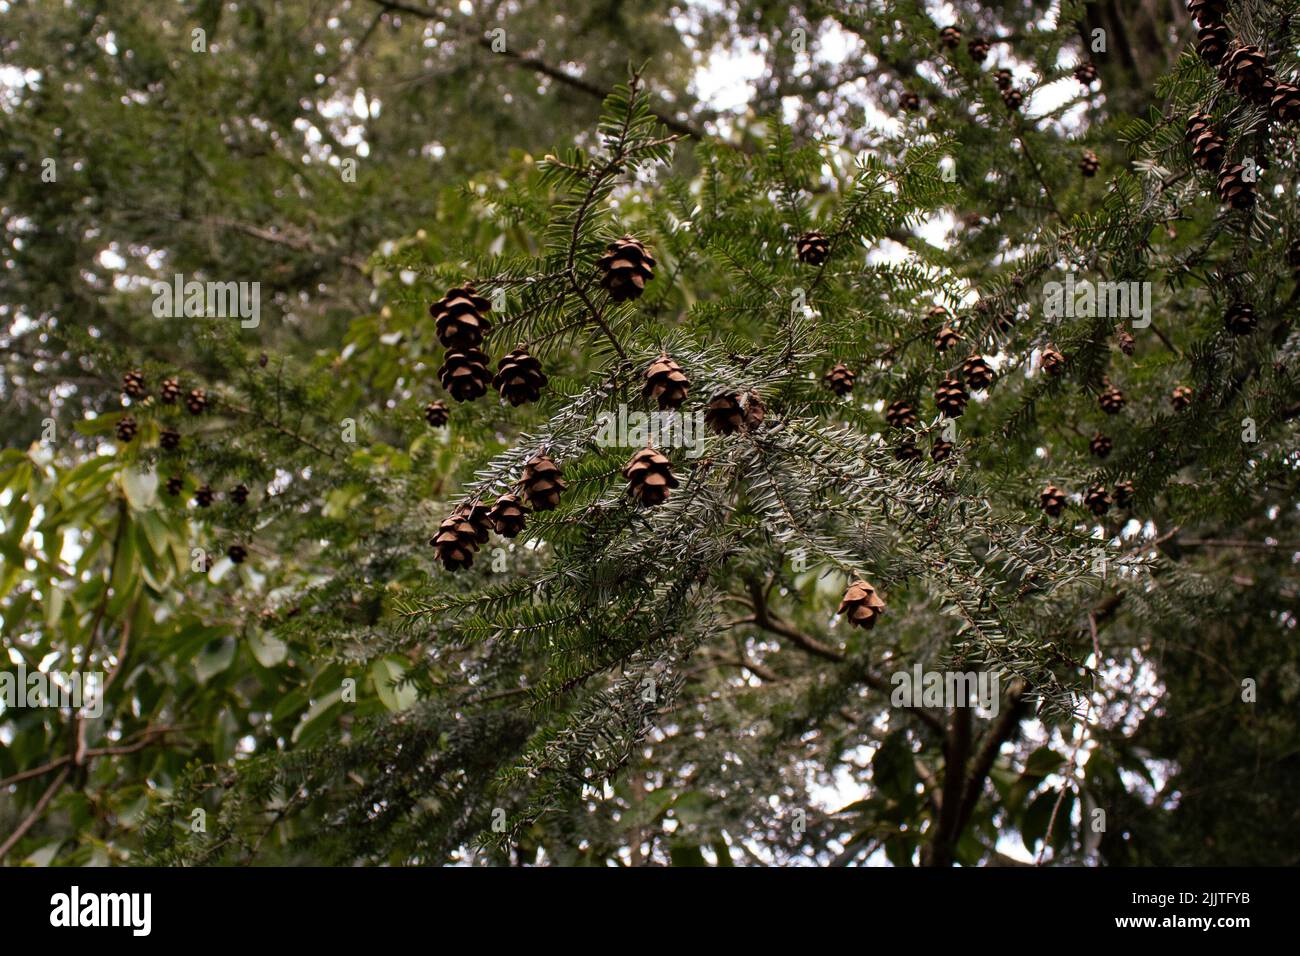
(680, 494)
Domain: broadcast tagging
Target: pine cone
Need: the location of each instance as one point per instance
(1246, 70)
(755, 410)
(239, 494)
(1127, 344)
(1014, 99)
(909, 102)
(979, 374)
(476, 513)
(1123, 493)
(1097, 500)
(938, 314)
(1181, 397)
(169, 439)
(947, 338)
(666, 383)
(542, 483)
(519, 378)
(812, 248)
(1284, 105)
(133, 384)
(197, 401)
(950, 398)
(1207, 11)
(900, 414)
(649, 476)
(1212, 43)
(1052, 361)
(941, 450)
(950, 36)
(436, 414)
(465, 375)
(978, 48)
(1208, 150)
(1002, 79)
(1101, 446)
(723, 414)
(1089, 163)
(175, 485)
(1240, 318)
(169, 391)
(456, 541)
(1052, 501)
(459, 318)
(627, 266)
(906, 450)
(508, 516)
(237, 553)
(205, 496)
(1111, 400)
(839, 379)
(862, 605)
(126, 428)
(1196, 124)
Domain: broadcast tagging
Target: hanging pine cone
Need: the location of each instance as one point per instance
(1181, 397)
(133, 384)
(666, 383)
(946, 338)
(1127, 344)
(1240, 318)
(508, 516)
(1052, 361)
(519, 378)
(196, 401)
(1013, 98)
(476, 513)
(1246, 70)
(950, 398)
(1111, 400)
(542, 482)
(1086, 73)
(909, 102)
(906, 450)
(1002, 79)
(978, 48)
(812, 248)
(126, 428)
(1212, 43)
(175, 485)
(1097, 500)
(239, 493)
(436, 414)
(941, 449)
(1207, 11)
(649, 476)
(465, 375)
(900, 414)
(1208, 150)
(979, 374)
(1089, 163)
(205, 496)
(459, 319)
(755, 410)
(938, 314)
(1052, 501)
(950, 36)
(1123, 493)
(456, 541)
(1196, 124)
(169, 439)
(862, 605)
(1284, 104)
(839, 379)
(237, 553)
(169, 391)
(627, 266)
(1100, 446)
(723, 414)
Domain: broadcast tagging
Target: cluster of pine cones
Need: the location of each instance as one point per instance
(1096, 499)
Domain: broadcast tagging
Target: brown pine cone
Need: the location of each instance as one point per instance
(666, 383)
(175, 485)
(508, 516)
(755, 410)
(1014, 99)
(1086, 73)
(196, 401)
(1196, 124)
(978, 48)
(862, 605)
(941, 450)
(938, 314)
(1181, 397)
(1052, 361)
(169, 391)
(1212, 43)
(950, 397)
(1052, 501)
(456, 541)
(542, 482)
(1207, 11)
(1208, 150)
(237, 553)
(812, 248)
(1097, 500)
(126, 428)
(627, 266)
(909, 102)
(1002, 79)
(1111, 400)
(239, 493)
(1123, 493)
(465, 375)
(437, 414)
(1240, 318)
(906, 450)
(947, 338)
(950, 36)
(649, 476)
(169, 439)
(1089, 163)
(979, 374)
(1127, 344)
(723, 414)
(1101, 446)
(1284, 104)
(133, 384)
(1246, 70)
(519, 378)
(839, 379)
(459, 318)
(204, 496)
(900, 414)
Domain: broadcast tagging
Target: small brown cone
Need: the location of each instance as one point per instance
(1284, 104)
(519, 378)
(126, 428)
(1003, 79)
(456, 541)
(978, 48)
(1127, 344)
(465, 375)
(169, 391)
(460, 320)
(1052, 501)
(951, 398)
(1207, 11)
(1014, 99)
(907, 450)
(627, 266)
(239, 494)
(755, 410)
(204, 496)
(1235, 189)
(1086, 73)
(1181, 397)
(1100, 445)
(1208, 150)
(169, 439)
(979, 374)
(1097, 500)
(723, 414)
(1246, 70)
(237, 553)
(541, 483)
(900, 414)
(175, 485)
(862, 605)
(1111, 400)
(941, 449)
(1089, 163)
(133, 384)
(946, 338)
(1240, 318)
(1052, 361)
(812, 248)
(196, 401)
(1123, 493)
(950, 37)
(666, 383)
(508, 516)
(436, 414)
(649, 476)
(1212, 43)
(839, 379)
